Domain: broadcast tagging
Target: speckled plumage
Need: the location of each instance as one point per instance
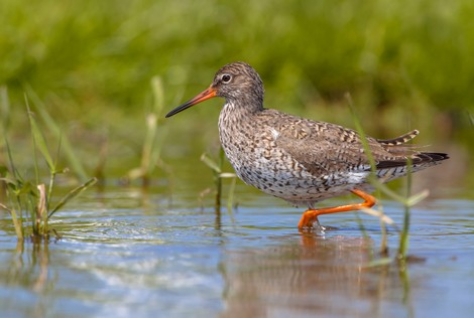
(297, 159)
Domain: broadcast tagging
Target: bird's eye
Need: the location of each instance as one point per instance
(226, 78)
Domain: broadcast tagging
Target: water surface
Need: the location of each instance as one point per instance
(127, 252)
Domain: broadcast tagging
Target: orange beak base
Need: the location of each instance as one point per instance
(203, 96)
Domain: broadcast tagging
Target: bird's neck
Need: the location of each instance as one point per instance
(239, 110)
(236, 120)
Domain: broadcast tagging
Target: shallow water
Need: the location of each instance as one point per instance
(126, 252)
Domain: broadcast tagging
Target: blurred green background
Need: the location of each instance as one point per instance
(407, 64)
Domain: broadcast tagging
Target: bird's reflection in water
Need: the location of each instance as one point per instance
(306, 276)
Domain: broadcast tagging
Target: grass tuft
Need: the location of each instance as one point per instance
(151, 149)
(219, 175)
(29, 201)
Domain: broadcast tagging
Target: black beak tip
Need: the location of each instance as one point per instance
(175, 111)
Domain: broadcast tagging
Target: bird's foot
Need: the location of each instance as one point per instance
(309, 222)
(311, 215)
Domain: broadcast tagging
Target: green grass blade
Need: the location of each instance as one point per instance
(362, 135)
(76, 191)
(230, 196)
(17, 224)
(380, 262)
(405, 234)
(149, 143)
(151, 150)
(158, 93)
(415, 199)
(210, 163)
(387, 191)
(39, 139)
(16, 176)
(40, 108)
(4, 108)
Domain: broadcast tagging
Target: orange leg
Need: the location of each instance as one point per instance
(311, 215)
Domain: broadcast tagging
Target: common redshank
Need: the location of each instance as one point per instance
(297, 159)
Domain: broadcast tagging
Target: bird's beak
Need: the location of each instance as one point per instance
(203, 96)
